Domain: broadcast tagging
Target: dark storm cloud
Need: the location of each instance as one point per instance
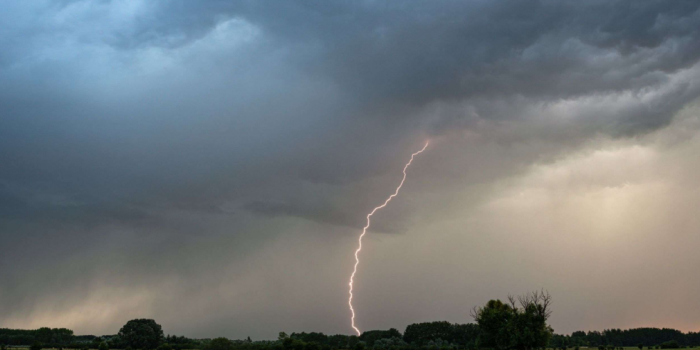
(201, 124)
(393, 58)
(418, 52)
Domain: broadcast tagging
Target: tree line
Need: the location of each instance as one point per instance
(519, 323)
(636, 337)
(44, 335)
(136, 334)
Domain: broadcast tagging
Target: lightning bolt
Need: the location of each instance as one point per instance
(364, 231)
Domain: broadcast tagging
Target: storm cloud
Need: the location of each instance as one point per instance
(208, 163)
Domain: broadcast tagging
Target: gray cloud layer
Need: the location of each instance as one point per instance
(216, 152)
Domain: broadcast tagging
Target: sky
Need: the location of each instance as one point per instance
(209, 164)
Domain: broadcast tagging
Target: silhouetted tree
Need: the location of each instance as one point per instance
(142, 334)
(509, 326)
(422, 333)
(369, 337)
(493, 321)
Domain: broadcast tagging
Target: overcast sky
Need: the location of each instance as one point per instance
(209, 164)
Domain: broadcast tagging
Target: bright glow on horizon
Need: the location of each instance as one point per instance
(364, 231)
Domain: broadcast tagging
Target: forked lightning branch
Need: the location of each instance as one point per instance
(364, 231)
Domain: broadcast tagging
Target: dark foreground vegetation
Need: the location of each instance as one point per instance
(517, 324)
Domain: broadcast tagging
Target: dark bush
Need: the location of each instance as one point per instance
(670, 345)
(312, 346)
(219, 344)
